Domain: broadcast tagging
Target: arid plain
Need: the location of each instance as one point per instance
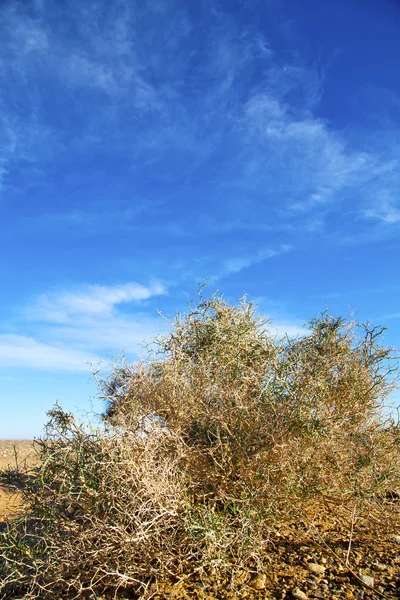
(10, 452)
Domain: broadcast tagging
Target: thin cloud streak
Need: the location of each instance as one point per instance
(235, 265)
(317, 162)
(291, 330)
(83, 325)
(23, 352)
(95, 300)
(385, 209)
(113, 334)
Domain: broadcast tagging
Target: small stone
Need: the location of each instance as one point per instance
(299, 594)
(395, 539)
(377, 566)
(380, 589)
(241, 576)
(316, 568)
(367, 580)
(258, 582)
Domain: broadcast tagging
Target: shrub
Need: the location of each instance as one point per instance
(222, 432)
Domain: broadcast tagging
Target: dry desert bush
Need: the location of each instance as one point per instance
(225, 431)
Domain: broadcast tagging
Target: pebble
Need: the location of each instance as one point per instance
(258, 582)
(299, 594)
(316, 568)
(395, 539)
(368, 580)
(325, 587)
(241, 576)
(377, 566)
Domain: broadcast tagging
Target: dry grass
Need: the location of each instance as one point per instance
(225, 434)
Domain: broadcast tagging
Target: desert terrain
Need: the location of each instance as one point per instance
(10, 452)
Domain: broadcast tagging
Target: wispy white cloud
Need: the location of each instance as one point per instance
(280, 321)
(385, 208)
(234, 260)
(291, 330)
(89, 221)
(388, 317)
(94, 300)
(19, 351)
(235, 265)
(318, 162)
(69, 329)
(110, 334)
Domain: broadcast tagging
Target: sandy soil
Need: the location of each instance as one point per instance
(10, 451)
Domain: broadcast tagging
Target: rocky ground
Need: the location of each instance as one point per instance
(313, 559)
(332, 553)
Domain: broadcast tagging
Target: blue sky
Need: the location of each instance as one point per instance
(146, 146)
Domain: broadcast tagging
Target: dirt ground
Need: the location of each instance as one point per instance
(10, 452)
